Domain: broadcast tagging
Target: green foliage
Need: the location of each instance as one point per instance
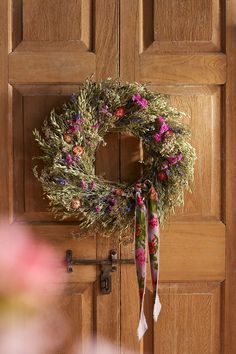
(71, 137)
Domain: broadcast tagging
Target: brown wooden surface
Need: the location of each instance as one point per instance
(180, 48)
(230, 177)
(5, 147)
(190, 66)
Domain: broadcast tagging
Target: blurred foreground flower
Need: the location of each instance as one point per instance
(29, 273)
(99, 346)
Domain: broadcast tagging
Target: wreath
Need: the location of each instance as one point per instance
(72, 134)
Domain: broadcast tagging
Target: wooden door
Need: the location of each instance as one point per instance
(178, 47)
(48, 47)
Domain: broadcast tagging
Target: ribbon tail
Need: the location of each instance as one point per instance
(154, 247)
(142, 326)
(140, 258)
(157, 308)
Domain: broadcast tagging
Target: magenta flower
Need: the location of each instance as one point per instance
(179, 156)
(153, 222)
(174, 159)
(161, 119)
(164, 128)
(142, 102)
(97, 209)
(157, 137)
(140, 256)
(69, 159)
(73, 129)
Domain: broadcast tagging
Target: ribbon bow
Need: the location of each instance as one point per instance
(147, 232)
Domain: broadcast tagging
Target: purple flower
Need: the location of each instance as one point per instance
(179, 156)
(73, 98)
(69, 159)
(60, 180)
(142, 102)
(76, 116)
(104, 110)
(165, 165)
(83, 184)
(174, 159)
(76, 158)
(97, 209)
(92, 185)
(112, 202)
(108, 209)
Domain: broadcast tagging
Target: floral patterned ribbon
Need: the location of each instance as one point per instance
(147, 231)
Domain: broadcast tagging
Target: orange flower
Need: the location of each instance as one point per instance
(75, 203)
(120, 112)
(78, 150)
(67, 138)
(119, 191)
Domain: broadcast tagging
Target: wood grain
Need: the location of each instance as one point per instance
(183, 21)
(190, 319)
(5, 147)
(182, 68)
(50, 67)
(52, 20)
(230, 177)
(181, 58)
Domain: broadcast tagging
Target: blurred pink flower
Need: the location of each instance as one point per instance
(30, 322)
(27, 265)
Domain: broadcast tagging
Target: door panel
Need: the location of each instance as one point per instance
(55, 45)
(176, 47)
(48, 47)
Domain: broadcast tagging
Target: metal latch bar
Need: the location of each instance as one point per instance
(107, 266)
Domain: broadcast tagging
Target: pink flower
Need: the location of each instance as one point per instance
(161, 119)
(164, 128)
(26, 265)
(140, 256)
(179, 157)
(142, 102)
(157, 137)
(173, 160)
(153, 222)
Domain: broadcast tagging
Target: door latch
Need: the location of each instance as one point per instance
(107, 265)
